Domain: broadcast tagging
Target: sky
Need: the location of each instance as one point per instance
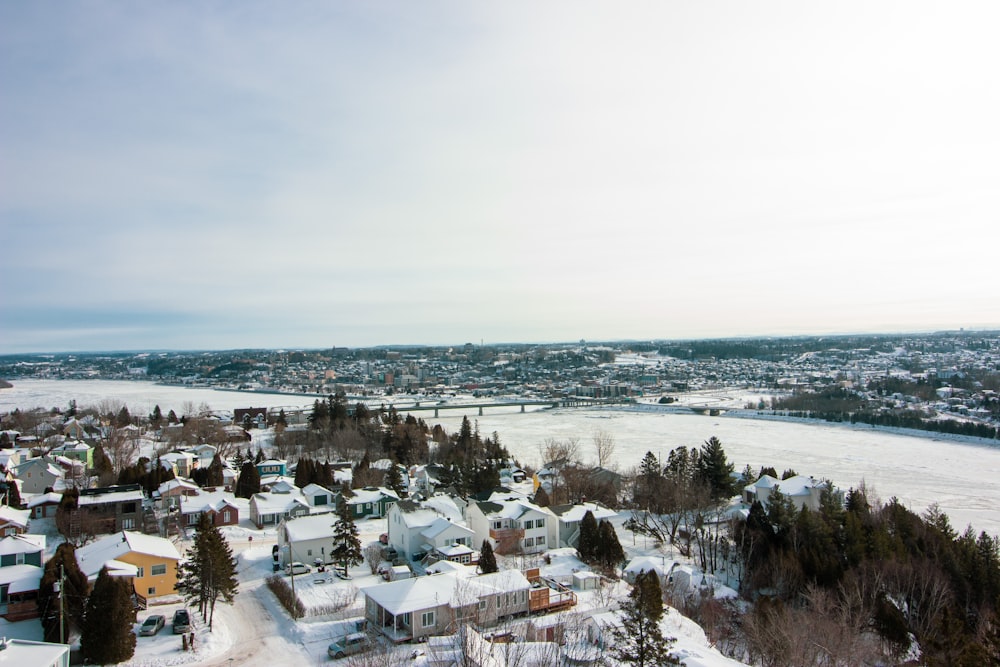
(259, 174)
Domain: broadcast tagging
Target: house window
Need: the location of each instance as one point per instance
(158, 570)
(151, 590)
(497, 525)
(128, 524)
(529, 542)
(528, 525)
(539, 541)
(192, 519)
(482, 605)
(427, 619)
(140, 572)
(539, 523)
(128, 508)
(225, 516)
(309, 552)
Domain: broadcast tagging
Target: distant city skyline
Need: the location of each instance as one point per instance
(191, 177)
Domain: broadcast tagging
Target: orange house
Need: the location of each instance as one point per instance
(151, 562)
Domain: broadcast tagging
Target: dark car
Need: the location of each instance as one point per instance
(152, 624)
(182, 621)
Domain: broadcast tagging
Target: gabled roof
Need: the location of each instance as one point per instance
(572, 513)
(21, 578)
(313, 527)
(17, 517)
(440, 525)
(106, 551)
(22, 544)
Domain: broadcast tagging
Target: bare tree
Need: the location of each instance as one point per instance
(604, 445)
(121, 446)
(373, 556)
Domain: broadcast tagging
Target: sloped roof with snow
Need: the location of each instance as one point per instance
(312, 527)
(92, 557)
(572, 513)
(21, 544)
(17, 517)
(20, 578)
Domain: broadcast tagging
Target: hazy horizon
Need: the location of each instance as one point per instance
(180, 176)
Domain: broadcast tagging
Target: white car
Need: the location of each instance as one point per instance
(297, 568)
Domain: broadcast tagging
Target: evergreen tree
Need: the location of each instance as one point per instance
(346, 549)
(589, 536)
(542, 497)
(715, 469)
(487, 559)
(260, 456)
(124, 418)
(609, 550)
(639, 639)
(172, 417)
(209, 571)
(156, 417)
(11, 492)
(394, 479)
(74, 595)
(249, 481)
(215, 476)
(282, 420)
(106, 636)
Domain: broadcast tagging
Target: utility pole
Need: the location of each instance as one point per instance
(62, 606)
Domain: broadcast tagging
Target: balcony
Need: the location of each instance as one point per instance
(508, 540)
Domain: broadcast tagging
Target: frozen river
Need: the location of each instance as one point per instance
(964, 479)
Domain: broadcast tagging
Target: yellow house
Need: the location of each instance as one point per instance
(151, 562)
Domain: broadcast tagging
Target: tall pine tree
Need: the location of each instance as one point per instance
(63, 565)
(609, 550)
(639, 639)
(106, 636)
(346, 549)
(715, 469)
(589, 535)
(487, 559)
(249, 481)
(209, 571)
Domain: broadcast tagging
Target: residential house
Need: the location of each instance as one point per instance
(802, 490)
(272, 467)
(220, 507)
(19, 594)
(305, 539)
(103, 510)
(23, 549)
(76, 451)
(570, 516)
(415, 531)
(73, 428)
(151, 562)
(269, 509)
(319, 498)
(170, 492)
(182, 463)
(38, 474)
(411, 609)
(44, 505)
(10, 458)
(36, 654)
(371, 502)
(13, 521)
(513, 525)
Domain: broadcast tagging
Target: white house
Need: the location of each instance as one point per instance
(307, 538)
(570, 516)
(416, 530)
(514, 525)
(802, 490)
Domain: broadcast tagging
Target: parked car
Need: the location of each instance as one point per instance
(182, 621)
(297, 568)
(356, 642)
(153, 624)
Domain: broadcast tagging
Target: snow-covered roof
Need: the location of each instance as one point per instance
(439, 525)
(313, 527)
(10, 515)
(205, 502)
(410, 595)
(658, 564)
(20, 544)
(176, 483)
(370, 495)
(27, 652)
(315, 490)
(92, 557)
(271, 503)
(453, 550)
(445, 506)
(799, 485)
(111, 497)
(572, 513)
(43, 498)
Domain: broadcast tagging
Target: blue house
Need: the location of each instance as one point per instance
(272, 467)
